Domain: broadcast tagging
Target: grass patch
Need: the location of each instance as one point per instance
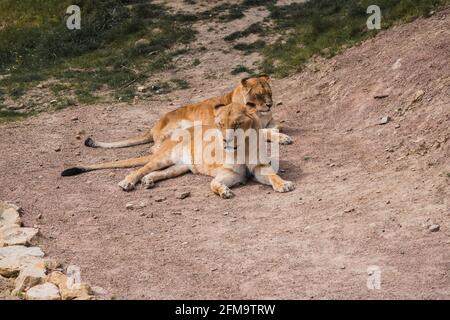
(10, 115)
(248, 48)
(255, 28)
(36, 45)
(325, 27)
(240, 69)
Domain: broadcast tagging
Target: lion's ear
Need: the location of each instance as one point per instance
(265, 77)
(218, 106)
(244, 82)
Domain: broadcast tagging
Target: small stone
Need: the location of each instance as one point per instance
(177, 213)
(46, 291)
(384, 120)
(53, 101)
(381, 96)
(434, 228)
(226, 213)
(78, 137)
(141, 43)
(57, 149)
(39, 216)
(141, 88)
(160, 199)
(280, 103)
(184, 243)
(418, 96)
(14, 235)
(183, 195)
(349, 210)
(99, 291)
(129, 206)
(75, 118)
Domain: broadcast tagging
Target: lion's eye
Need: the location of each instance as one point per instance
(251, 104)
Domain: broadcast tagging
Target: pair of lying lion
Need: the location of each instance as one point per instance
(248, 106)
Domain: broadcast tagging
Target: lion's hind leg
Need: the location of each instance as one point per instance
(174, 171)
(160, 160)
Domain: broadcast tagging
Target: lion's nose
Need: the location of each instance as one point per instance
(269, 105)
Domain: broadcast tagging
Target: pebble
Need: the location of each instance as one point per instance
(384, 120)
(434, 228)
(183, 195)
(160, 199)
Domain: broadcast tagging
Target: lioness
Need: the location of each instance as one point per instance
(255, 90)
(171, 158)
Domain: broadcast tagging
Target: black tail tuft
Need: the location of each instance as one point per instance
(89, 142)
(72, 171)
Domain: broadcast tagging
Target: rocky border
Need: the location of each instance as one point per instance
(26, 273)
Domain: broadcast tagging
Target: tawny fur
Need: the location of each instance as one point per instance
(255, 90)
(170, 159)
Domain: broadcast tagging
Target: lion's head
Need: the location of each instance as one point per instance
(235, 117)
(257, 92)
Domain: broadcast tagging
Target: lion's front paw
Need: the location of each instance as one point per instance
(285, 139)
(148, 182)
(285, 186)
(226, 193)
(126, 186)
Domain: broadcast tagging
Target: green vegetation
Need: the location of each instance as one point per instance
(255, 28)
(121, 43)
(251, 47)
(240, 69)
(325, 27)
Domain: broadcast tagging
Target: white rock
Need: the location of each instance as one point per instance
(28, 277)
(14, 235)
(15, 258)
(9, 214)
(20, 251)
(46, 291)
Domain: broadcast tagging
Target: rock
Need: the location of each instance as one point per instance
(14, 235)
(183, 195)
(384, 120)
(129, 206)
(6, 285)
(75, 118)
(57, 149)
(20, 251)
(68, 288)
(9, 215)
(28, 277)
(381, 96)
(418, 96)
(141, 88)
(434, 228)
(15, 258)
(141, 43)
(160, 199)
(53, 101)
(99, 291)
(46, 291)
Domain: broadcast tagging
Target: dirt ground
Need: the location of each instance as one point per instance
(366, 193)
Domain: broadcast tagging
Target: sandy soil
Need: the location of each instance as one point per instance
(366, 193)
